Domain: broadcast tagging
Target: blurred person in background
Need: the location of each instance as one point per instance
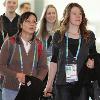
(25, 7)
(10, 18)
(48, 25)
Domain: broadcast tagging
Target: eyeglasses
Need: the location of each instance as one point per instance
(31, 22)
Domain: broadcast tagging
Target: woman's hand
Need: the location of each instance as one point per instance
(21, 78)
(48, 90)
(90, 63)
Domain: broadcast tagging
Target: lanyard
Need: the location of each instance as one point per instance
(77, 49)
(3, 35)
(21, 58)
(45, 43)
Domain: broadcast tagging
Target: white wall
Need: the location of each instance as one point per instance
(2, 9)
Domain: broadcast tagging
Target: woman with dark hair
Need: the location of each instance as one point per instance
(25, 59)
(72, 44)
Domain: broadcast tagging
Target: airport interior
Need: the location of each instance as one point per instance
(91, 8)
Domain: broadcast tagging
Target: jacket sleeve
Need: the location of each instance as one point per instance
(55, 47)
(42, 67)
(87, 75)
(92, 54)
(4, 54)
(92, 44)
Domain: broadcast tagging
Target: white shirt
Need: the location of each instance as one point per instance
(27, 45)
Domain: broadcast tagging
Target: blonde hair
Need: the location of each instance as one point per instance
(42, 28)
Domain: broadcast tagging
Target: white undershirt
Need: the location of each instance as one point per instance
(27, 45)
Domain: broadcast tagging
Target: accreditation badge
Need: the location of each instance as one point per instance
(71, 71)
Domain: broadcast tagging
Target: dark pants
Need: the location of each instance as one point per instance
(65, 92)
(90, 91)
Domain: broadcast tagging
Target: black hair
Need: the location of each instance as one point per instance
(22, 18)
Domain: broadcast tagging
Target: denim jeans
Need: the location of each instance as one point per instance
(8, 94)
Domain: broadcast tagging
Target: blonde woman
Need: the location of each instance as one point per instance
(48, 25)
(48, 22)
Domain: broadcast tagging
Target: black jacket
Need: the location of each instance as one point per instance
(84, 52)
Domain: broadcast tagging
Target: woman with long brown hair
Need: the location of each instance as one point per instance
(72, 44)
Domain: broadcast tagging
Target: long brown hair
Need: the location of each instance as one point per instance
(42, 28)
(65, 22)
